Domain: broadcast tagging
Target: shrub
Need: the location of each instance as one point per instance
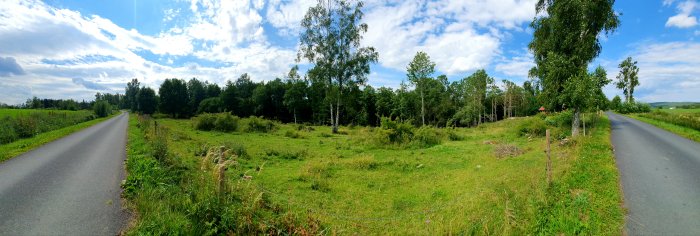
(633, 107)
(159, 147)
(454, 136)
(256, 124)
(532, 126)
(205, 122)
(102, 108)
(426, 137)
(236, 148)
(7, 131)
(685, 120)
(298, 155)
(292, 134)
(25, 126)
(394, 132)
(226, 123)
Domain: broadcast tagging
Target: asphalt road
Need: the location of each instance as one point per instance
(67, 187)
(660, 174)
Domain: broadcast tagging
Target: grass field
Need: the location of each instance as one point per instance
(684, 122)
(488, 180)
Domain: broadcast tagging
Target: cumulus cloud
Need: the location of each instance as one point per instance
(668, 71)
(9, 66)
(683, 19)
(459, 36)
(70, 55)
(517, 66)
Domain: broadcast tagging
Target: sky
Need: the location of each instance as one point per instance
(76, 48)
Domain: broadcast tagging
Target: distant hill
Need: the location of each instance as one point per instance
(673, 104)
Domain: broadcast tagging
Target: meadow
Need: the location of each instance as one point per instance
(301, 179)
(684, 122)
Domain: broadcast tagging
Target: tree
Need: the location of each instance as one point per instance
(245, 87)
(616, 103)
(627, 79)
(212, 90)
(385, 102)
(295, 96)
(229, 97)
(210, 105)
(131, 90)
(196, 92)
(330, 39)
(173, 98)
(102, 108)
(565, 41)
(146, 100)
(419, 73)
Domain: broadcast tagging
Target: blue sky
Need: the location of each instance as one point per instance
(75, 48)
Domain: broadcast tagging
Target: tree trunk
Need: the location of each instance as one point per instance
(583, 119)
(337, 112)
(576, 121)
(295, 116)
(422, 107)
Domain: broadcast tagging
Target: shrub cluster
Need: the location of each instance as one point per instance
(33, 123)
(258, 124)
(532, 126)
(633, 107)
(392, 132)
(223, 122)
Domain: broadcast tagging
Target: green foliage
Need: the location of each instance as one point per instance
(633, 107)
(426, 137)
(205, 122)
(28, 123)
(292, 134)
(102, 108)
(533, 127)
(174, 98)
(175, 198)
(616, 103)
(688, 120)
(226, 123)
(210, 105)
(257, 124)
(146, 101)
(628, 78)
(223, 122)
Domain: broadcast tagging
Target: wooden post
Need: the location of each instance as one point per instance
(549, 160)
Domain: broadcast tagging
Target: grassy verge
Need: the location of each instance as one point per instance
(686, 132)
(18, 147)
(587, 198)
(484, 180)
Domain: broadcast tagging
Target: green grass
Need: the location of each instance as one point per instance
(20, 146)
(683, 131)
(346, 184)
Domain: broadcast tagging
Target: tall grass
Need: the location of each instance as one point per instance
(176, 197)
(689, 120)
(18, 125)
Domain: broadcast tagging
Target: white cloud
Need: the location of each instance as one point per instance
(683, 19)
(668, 71)
(286, 16)
(65, 54)
(517, 66)
(459, 36)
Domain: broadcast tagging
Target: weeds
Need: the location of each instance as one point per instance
(28, 124)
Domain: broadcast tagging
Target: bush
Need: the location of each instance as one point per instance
(205, 122)
(236, 148)
(102, 108)
(7, 131)
(292, 134)
(532, 126)
(394, 132)
(25, 126)
(453, 136)
(226, 123)
(633, 107)
(561, 119)
(256, 124)
(426, 137)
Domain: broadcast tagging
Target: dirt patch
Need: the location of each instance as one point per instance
(507, 150)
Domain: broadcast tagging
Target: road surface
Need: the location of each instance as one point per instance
(660, 174)
(67, 187)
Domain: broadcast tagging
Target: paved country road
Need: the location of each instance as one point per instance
(67, 187)
(660, 174)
